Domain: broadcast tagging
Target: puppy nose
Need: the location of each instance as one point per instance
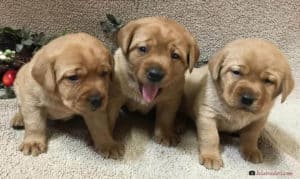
(95, 101)
(247, 99)
(155, 74)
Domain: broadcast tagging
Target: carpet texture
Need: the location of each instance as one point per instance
(213, 23)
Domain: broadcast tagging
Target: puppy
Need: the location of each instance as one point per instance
(68, 76)
(151, 60)
(235, 93)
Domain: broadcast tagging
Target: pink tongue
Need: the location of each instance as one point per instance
(149, 92)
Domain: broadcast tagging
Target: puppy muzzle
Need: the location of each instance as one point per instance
(247, 99)
(155, 74)
(95, 101)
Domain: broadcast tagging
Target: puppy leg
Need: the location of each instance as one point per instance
(114, 107)
(181, 123)
(102, 137)
(208, 137)
(17, 121)
(248, 141)
(165, 123)
(35, 131)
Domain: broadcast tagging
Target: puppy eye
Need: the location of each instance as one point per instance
(143, 49)
(73, 78)
(175, 56)
(268, 81)
(103, 74)
(236, 72)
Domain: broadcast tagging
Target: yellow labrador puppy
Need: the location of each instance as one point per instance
(153, 55)
(70, 75)
(236, 92)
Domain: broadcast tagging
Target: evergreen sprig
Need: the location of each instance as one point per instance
(112, 24)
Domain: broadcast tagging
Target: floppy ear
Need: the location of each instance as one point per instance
(125, 36)
(287, 84)
(43, 72)
(215, 64)
(112, 64)
(193, 56)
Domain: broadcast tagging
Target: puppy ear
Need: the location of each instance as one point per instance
(287, 84)
(215, 64)
(112, 64)
(193, 56)
(43, 72)
(125, 36)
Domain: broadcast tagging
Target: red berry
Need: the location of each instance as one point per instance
(9, 78)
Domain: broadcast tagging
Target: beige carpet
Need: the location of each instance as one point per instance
(213, 23)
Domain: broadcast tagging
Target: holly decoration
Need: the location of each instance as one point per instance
(17, 46)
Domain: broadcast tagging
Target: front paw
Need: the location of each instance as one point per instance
(211, 161)
(167, 140)
(252, 155)
(17, 122)
(111, 150)
(33, 147)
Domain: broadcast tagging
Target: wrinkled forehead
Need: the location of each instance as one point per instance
(77, 56)
(82, 54)
(255, 60)
(160, 34)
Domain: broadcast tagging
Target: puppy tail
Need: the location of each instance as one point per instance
(282, 140)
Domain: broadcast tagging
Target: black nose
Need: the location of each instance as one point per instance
(95, 101)
(247, 99)
(155, 74)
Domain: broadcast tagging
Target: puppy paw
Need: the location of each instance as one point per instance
(33, 147)
(211, 161)
(111, 150)
(252, 155)
(167, 140)
(17, 122)
(180, 124)
(180, 128)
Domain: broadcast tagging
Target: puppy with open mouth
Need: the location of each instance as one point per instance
(151, 60)
(235, 93)
(70, 75)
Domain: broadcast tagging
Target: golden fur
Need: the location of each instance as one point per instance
(162, 38)
(213, 96)
(60, 81)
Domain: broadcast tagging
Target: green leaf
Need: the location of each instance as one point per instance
(7, 52)
(27, 42)
(106, 27)
(19, 48)
(9, 33)
(8, 93)
(111, 18)
(114, 20)
(25, 34)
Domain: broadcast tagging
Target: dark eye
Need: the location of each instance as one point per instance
(73, 78)
(236, 72)
(143, 49)
(103, 74)
(175, 56)
(268, 81)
